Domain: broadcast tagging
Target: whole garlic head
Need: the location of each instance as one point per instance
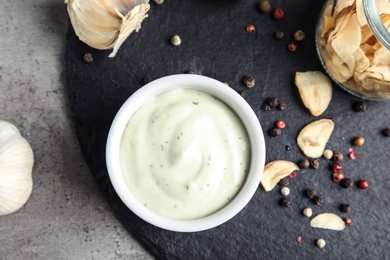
(16, 163)
(106, 24)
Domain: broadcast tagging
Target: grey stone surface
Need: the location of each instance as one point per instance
(66, 216)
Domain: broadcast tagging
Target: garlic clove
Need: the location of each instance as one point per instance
(16, 163)
(106, 24)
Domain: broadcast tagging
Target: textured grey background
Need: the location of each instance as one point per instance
(215, 44)
(66, 216)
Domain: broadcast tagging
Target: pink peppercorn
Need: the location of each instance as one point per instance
(278, 13)
(337, 177)
(280, 124)
(363, 184)
(292, 46)
(293, 175)
(250, 28)
(348, 221)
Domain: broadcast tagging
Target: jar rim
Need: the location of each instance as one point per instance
(375, 22)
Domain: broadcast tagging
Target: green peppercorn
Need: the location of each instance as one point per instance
(299, 35)
(176, 40)
(345, 208)
(311, 192)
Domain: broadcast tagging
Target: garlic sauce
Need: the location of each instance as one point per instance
(185, 154)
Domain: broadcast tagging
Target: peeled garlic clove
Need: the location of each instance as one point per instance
(328, 221)
(16, 163)
(315, 90)
(313, 137)
(275, 171)
(106, 24)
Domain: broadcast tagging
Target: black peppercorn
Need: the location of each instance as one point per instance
(338, 156)
(266, 107)
(88, 58)
(273, 102)
(288, 148)
(279, 35)
(304, 164)
(146, 79)
(286, 202)
(345, 208)
(318, 200)
(282, 105)
(190, 71)
(386, 132)
(249, 81)
(360, 106)
(314, 163)
(311, 192)
(347, 183)
(284, 182)
(275, 131)
(242, 93)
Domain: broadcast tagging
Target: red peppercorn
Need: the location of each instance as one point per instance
(299, 239)
(293, 175)
(348, 221)
(336, 166)
(280, 124)
(337, 177)
(363, 184)
(278, 13)
(292, 46)
(250, 28)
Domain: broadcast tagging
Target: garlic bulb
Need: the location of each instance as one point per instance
(105, 24)
(16, 163)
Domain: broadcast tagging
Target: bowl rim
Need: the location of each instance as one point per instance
(222, 92)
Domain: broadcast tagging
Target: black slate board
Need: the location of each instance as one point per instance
(215, 44)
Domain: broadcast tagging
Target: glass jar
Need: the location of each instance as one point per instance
(353, 43)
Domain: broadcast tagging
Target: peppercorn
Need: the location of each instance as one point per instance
(338, 156)
(159, 2)
(345, 208)
(266, 107)
(360, 106)
(318, 200)
(386, 132)
(284, 182)
(250, 28)
(265, 6)
(286, 202)
(279, 35)
(347, 183)
(304, 164)
(292, 175)
(311, 192)
(337, 177)
(308, 212)
(314, 163)
(175, 40)
(348, 221)
(88, 58)
(146, 79)
(288, 148)
(285, 191)
(328, 154)
(282, 105)
(299, 35)
(359, 141)
(335, 166)
(190, 71)
(292, 46)
(280, 124)
(320, 243)
(363, 184)
(242, 93)
(275, 131)
(353, 154)
(249, 81)
(273, 102)
(278, 13)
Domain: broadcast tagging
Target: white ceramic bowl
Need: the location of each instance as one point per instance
(224, 93)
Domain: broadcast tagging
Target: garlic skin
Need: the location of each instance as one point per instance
(106, 24)
(16, 163)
